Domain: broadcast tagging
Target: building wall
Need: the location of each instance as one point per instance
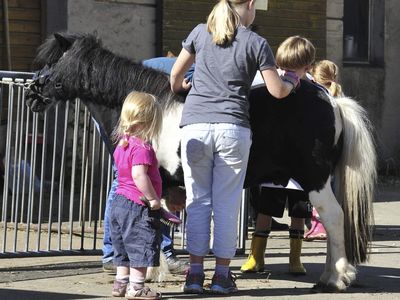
(282, 19)
(334, 31)
(389, 129)
(127, 27)
(25, 33)
(375, 87)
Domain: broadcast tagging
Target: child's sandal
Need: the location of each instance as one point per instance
(143, 294)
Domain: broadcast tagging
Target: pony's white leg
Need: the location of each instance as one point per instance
(328, 265)
(338, 273)
(157, 274)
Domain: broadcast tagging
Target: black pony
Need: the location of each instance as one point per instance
(304, 138)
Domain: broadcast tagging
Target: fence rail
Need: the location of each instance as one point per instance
(56, 176)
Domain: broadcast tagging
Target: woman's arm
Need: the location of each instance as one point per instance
(143, 183)
(182, 64)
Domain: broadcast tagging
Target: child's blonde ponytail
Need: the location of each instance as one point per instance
(223, 21)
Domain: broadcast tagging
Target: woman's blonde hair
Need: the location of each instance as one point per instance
(141, 116)
(294, 53)
(223, 21)
(326, 72)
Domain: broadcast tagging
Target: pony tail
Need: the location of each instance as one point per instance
(355, 179)
(222, 23)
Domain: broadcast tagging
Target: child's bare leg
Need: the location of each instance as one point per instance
(296, 234)
(121, 281)
(137, 277)
(297, 223)
(263, 223)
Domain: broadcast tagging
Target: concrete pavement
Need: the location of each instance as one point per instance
(81, 277)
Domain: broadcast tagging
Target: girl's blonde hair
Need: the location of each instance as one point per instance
(294, 53)
(223, 21)
(141, 116)
(326, 72)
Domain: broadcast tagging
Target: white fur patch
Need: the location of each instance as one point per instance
(168, 144)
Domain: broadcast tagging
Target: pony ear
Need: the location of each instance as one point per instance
(63, 42)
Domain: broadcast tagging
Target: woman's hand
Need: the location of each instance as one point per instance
(186, 85)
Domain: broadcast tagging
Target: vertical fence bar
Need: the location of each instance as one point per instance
(94, 144)
(15, 162)
(84, 165)
(62, 177)
(73, 170)
(53, 174)
(31, 194)
(42, 182)
(7, 164)
(18, 143)
(27, 122)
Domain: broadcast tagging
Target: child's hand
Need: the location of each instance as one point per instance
(291, 77)
(153, 204)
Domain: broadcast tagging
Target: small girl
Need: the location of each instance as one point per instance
(135, 211)
(325, 72)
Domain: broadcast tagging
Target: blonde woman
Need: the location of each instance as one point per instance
(134, 212)
(216, 135)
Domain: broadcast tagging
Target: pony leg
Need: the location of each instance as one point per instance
(338, 273)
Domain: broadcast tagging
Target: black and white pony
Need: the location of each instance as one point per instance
(305, 138)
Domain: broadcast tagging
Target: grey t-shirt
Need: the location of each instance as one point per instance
(223, 76)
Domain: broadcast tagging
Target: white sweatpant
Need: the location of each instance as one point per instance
(214, 161)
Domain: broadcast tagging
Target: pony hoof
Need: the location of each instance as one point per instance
(321, 287)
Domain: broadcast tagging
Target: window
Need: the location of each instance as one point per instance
(363, 31)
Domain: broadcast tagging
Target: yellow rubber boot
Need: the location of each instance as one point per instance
(295, 265)
(255, 261)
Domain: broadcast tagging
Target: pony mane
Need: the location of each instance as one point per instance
(50, 51)
(93, 73)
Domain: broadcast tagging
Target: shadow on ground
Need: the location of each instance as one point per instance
(386, 233)
(48, 271)
(8, 294)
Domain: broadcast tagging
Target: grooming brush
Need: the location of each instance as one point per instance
(166, 217)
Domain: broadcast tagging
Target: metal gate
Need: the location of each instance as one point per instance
(56, 176)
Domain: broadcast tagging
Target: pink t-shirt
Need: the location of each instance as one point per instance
(137, 152)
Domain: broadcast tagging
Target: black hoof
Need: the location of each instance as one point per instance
(321, 287)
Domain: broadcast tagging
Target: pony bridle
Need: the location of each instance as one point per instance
(36, 86)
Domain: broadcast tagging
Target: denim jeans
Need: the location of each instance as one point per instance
(108, 252)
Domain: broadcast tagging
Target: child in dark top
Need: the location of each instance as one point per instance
(135, 214)
(296, 54)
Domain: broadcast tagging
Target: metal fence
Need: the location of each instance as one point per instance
(56, 176)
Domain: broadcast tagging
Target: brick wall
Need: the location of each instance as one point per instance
(282, 19)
